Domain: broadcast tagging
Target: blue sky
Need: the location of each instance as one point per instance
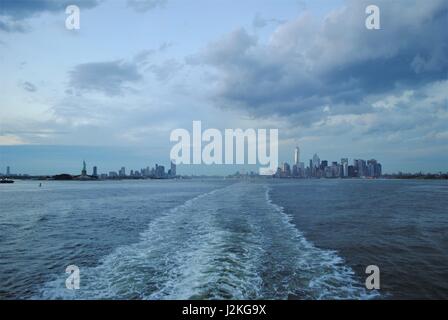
(112, 92)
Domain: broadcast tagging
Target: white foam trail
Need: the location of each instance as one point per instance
(123, 273)
(326, 274)
(182, 255)
(230, 243)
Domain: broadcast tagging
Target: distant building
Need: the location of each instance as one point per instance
(296, 156)
(335, 170)
(328, 172)
(351, 171)
(160, 171)
(172, 171)
(301, 169)
(295, 171)
(122, 172)
(286, 169)
(95, 171)
(360, 167)
(344, 164)
(278, 173)
(316, 161)
(373, 169)
(8, 171)
(323, 164)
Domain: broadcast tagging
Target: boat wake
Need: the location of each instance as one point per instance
(231, 243)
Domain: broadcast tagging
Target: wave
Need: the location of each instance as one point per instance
(324, 271)
(230, 243)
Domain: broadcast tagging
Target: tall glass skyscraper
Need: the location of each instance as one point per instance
(297, 156)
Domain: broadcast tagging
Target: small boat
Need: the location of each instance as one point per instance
(6, 180)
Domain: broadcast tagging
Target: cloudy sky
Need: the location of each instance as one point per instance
(112, 92)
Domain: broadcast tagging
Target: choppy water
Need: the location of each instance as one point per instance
(221, 239)
(399, 225)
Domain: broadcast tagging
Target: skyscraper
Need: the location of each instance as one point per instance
(295, 170)
(8, 170)
(297, 156)
(173, 169)
(360, 167)
(373, 168)
(316, 161)
(286, 169)
(323, 164)
(160, 171)
(344, 164)
(301, 169)
(95, 171)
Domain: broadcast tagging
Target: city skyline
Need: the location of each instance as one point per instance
(158, 171)
(136, 160)
(317, 168)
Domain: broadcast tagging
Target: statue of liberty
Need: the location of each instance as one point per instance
(84, 170)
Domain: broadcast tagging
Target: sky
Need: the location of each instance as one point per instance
(111, 92)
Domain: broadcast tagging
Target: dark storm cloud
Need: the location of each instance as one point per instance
(308, 65)
(109, 78)
(20, 9)
(13, 13)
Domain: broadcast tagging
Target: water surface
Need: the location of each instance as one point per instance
(218, 239)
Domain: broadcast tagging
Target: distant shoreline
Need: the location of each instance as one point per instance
(440, 176)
